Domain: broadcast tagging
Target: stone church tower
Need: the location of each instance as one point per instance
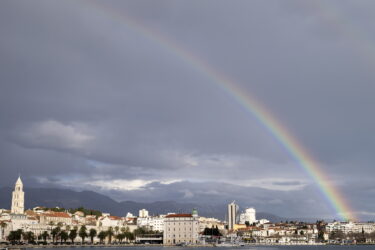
(18, 198)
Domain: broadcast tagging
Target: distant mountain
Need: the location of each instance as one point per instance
(52, 197)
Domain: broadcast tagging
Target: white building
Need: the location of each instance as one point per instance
(209, 223)
(152, 223)
(350, 227)
(18, 198)
(232, 214)
(110, 221)
(248, 215)
(143, 213)
(181, 228)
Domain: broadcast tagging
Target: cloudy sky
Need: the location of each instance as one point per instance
(93, 96)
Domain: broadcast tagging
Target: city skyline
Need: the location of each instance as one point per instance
(132, 100)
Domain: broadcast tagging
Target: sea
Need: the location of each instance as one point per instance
(319, 247)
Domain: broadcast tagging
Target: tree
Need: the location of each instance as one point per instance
(73, 235)
(83, 233)
(29, 237)
(15, 236)
(110, 234)
(121, 237)
(54, 233)
(130, 236)
(102, 235)
(92, 234)
(45, 235)
(64, 236)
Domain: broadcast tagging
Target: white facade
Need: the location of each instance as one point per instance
(143, 213)
(350, 227)
(152, 223)
(181, 228)
(232, 214)
(18, 198)
(248, 215)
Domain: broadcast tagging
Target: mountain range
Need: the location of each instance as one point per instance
(54, 197)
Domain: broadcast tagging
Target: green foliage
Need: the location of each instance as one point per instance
(73, 235)
(143, 230)
(86, 211)
(73, 210)
(55, 232)
(92, 234)
(29, 237)
(212, 231)
(121, 237)
(110, 234)
(15, 236)
(102, 235)
(83, 233)
(45, 235)
(64, 236)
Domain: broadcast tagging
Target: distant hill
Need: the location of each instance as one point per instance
(52, 197)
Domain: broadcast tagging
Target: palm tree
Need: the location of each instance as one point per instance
(110, 234)
(45, 236)
(29, 237)
(73, 235)
(102, 236)
(83, 233)
(64, 236)
(129, 236)
(54, 233)
(92, 234)
(120, 237)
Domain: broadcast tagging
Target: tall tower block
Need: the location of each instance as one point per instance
(232, 215)
(18, 198)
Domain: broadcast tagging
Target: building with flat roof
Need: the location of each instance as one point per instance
(181, 228)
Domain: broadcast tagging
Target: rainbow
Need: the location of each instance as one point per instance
(251, 105)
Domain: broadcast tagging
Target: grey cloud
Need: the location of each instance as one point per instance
(86, 96)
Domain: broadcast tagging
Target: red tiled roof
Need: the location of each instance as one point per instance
(178, 215)
(57, 214)
(114, 218)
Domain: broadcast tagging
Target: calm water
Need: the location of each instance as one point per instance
(368, 247)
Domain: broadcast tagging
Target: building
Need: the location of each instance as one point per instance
(249, 215)
(210, 223)
(232, 215)
(55, 218)
(350, 227)
(143, 213)
(152, 223)
(181, 228)
(18, 198)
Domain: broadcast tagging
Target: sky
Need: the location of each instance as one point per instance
(91, 101)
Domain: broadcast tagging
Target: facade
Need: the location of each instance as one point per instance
(248, 215)
(18, 198)
(181, 228)
(55, 218)
(232, 215)
(350, 227)
(143, 213)
(110, 221)
(209, 223)
(152, 223)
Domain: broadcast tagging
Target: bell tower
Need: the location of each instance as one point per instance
(18, 198)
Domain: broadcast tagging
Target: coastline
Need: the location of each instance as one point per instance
(161, 245)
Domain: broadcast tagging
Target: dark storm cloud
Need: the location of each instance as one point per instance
(86, 98)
